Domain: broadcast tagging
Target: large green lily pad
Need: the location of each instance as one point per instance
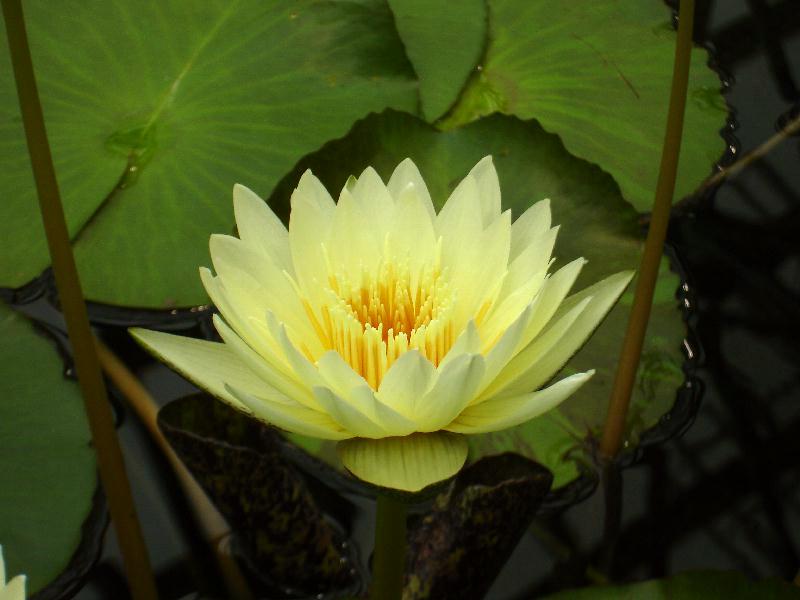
(709, 585)
(595, 223)
(46, 463)
(444, 43)
(598, 73)
(155, 109)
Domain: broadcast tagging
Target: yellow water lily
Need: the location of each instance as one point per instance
(377, 322)
(14, 589)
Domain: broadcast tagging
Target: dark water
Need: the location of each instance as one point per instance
(725, 495)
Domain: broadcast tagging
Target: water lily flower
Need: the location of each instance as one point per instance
(14, 589)
(377, 322)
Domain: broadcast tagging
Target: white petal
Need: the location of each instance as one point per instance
(505, 348)
(294, 418)
(304, 370)
(209, 365)
(407, 380)
(412, 235)
(530, 225)
(407, 463)
(356, 243)
(502, 413)
(337, 373)
(260, 228)
(455, 387)
(405, 174)
(15, 590)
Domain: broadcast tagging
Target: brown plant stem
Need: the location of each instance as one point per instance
(110, 461)
(213, 525)
(614, 428)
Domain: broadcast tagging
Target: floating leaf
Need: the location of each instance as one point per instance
(595, 222)
(457, 549)
(237, 460)
(155, 109)
(598, 74)
(444, 43)
(47, 467)
(709, 585)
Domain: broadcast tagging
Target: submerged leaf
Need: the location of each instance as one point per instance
(457, 549)
(283, 535)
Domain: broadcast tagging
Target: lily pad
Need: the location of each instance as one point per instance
(155, 110)
(46, 462)
(709, 585)
(598, 73)
(596, 222)
(444, 43)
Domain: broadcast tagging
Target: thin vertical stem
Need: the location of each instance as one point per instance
(109, 455)
(654, 245)
(389, 556)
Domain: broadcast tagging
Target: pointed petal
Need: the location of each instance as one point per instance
(467, 342)
(407, 380)
(504, 349)
(348, 416)
(337, 373)
(412, 234)
(290, 386)
(260, 228)
(521, 375)
(488, 189)
(501, 413)
(554, 290)
(597, 300)
(294, 418)
(355, 242)
(309, 225)
(374, 200)
(529, 225)
(15, 590)
(405, 174)
(454, 389)
(209, 365)
(407, 463)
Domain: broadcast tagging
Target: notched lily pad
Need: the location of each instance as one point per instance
(457, 549)
(281, 533)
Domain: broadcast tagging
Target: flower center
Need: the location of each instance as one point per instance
(373, 321)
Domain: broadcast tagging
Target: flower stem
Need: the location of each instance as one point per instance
(389, 556)
(614, 428)
(109, 455)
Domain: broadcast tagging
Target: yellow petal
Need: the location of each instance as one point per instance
(355, 242)
(520, 374)
(455, 387)
(209, 365)
(406, 381)
(374, 200)
(498, 357)
(412, 234)
(309, 225)
(348, 416)
(15, 590)
(501, 413)
(467, 342)
(488, 189)
(254, 285)
(529, 225)
(260, 228)
(264, 368)
(598, 299)
(294, 418)
(408, 463)
(406, 174)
